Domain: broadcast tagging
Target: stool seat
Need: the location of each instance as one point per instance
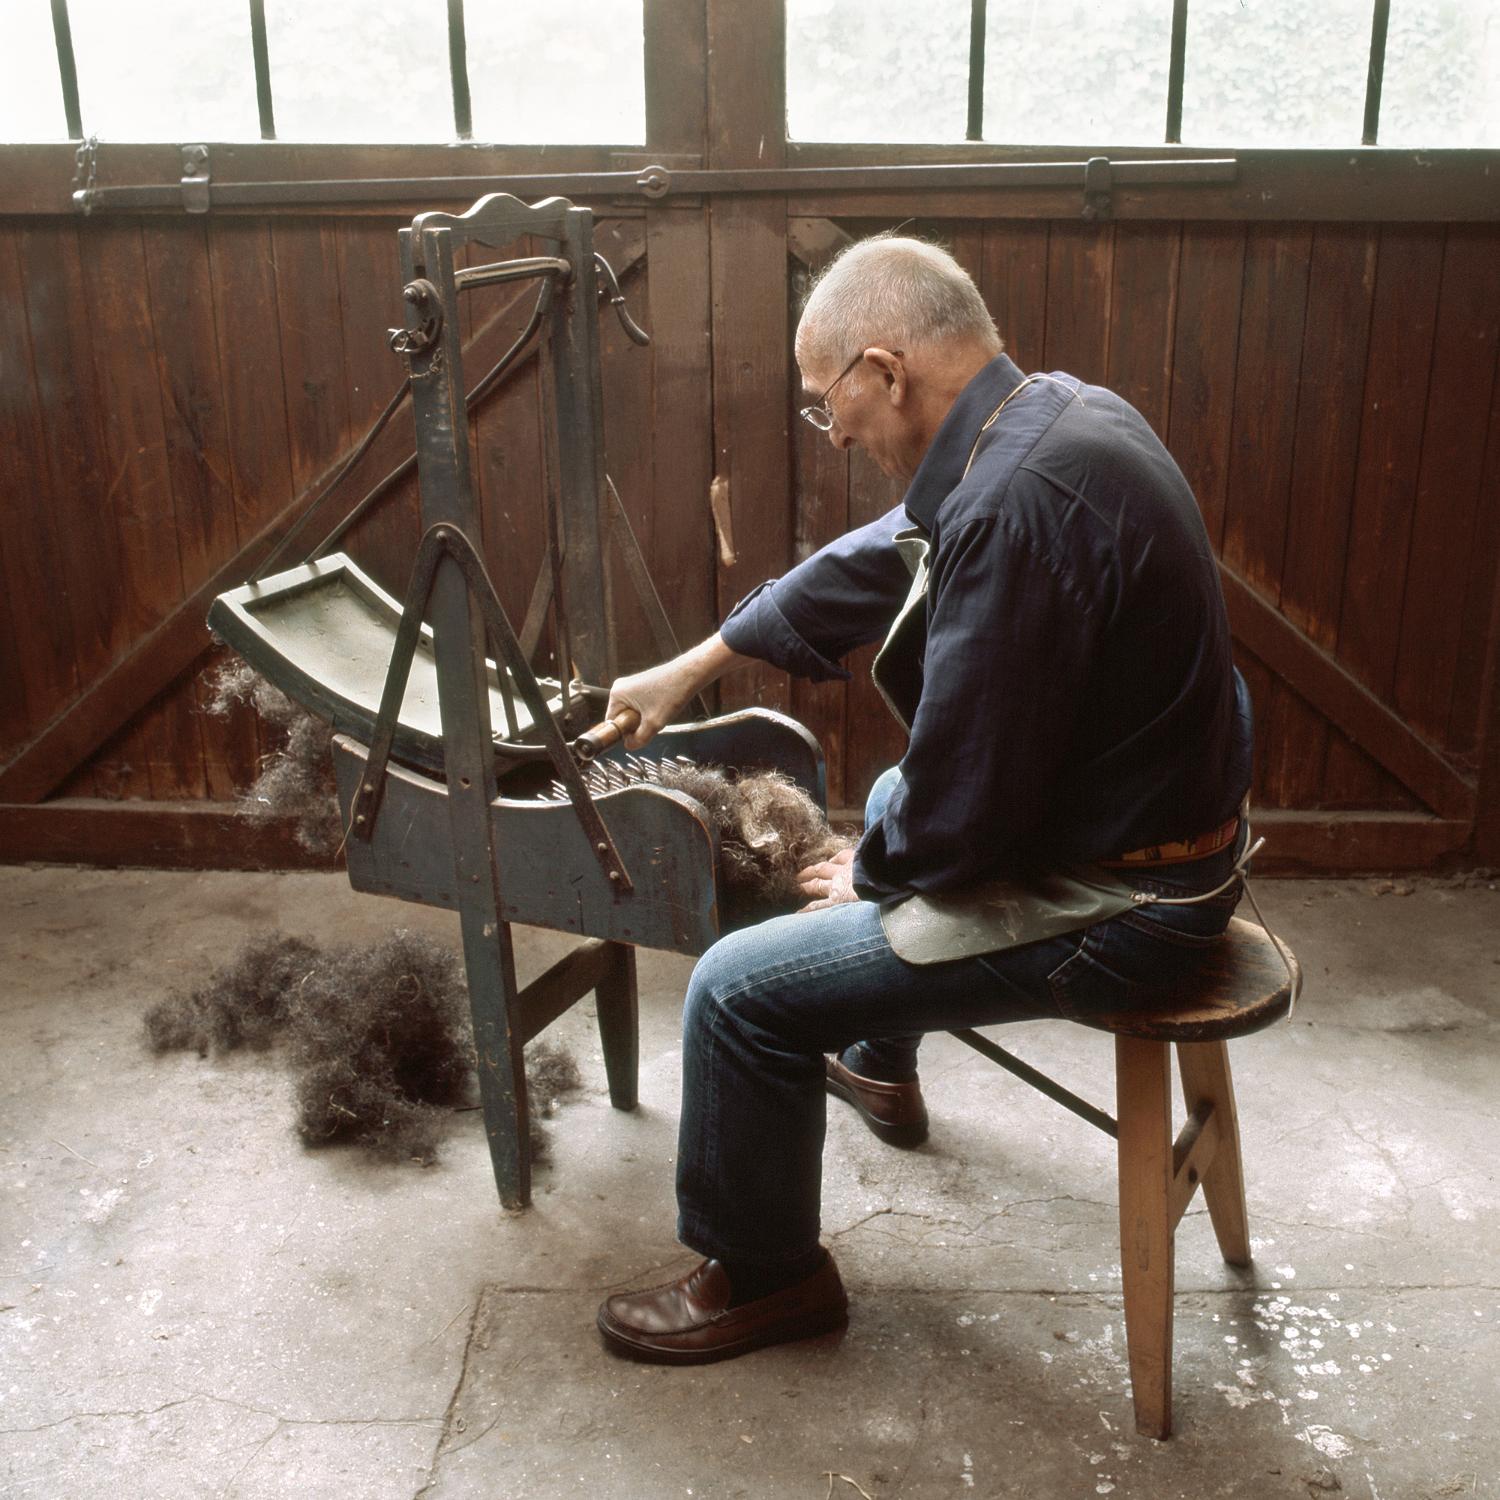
(1240, 986)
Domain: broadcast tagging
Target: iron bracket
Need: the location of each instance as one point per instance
(426, 306)
(195, 179)
(1098, 185)
(86, 175)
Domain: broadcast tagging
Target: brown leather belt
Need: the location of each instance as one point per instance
(1180, 851)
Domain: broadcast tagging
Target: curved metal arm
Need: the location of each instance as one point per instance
(633, 330)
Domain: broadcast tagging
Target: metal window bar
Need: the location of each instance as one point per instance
(975, 131)
(1379, 22)
(67, 68)
(262, 53)
(458, 66)
(1176, 68)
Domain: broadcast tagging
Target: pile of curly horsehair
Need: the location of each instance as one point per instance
(379, 1040)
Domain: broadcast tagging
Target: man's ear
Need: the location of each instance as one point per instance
(892, 372)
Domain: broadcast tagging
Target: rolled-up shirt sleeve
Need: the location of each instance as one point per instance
(844, 596)
(1008, 646)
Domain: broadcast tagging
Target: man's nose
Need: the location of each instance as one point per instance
(838, 437)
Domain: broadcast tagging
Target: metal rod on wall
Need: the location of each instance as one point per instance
(262, 69)
(67, 68)
(1379, 22)
(976, 70)
(1176, 71)
(458, 66)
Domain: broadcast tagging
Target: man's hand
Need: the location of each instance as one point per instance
(830, 883)
(658, 693)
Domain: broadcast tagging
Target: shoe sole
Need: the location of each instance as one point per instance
(619, 1341)
(912, 1134)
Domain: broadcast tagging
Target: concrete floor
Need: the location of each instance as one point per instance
(191, 1304)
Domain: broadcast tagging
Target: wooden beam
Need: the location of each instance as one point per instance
(1192, 1155)
(1350, 843)
(151, 835)
(748, 271)
(1324, 682)
(174, 646)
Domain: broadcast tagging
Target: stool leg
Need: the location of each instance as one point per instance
(1144, 1095)
(1206, 1081)
(616, 1003)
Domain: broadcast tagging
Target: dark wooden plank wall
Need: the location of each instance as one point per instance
(171, 384)
(1328, 390)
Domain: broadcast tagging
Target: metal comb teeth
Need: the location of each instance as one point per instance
(602, 776)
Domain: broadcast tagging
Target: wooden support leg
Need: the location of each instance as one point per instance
(499, 1047)
(1143, 1091)
(619, 1032)
(1206, 1081)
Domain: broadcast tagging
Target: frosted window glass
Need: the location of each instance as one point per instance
(173, 70)
(1077, 72)
(1276, 72)
(1441, 85)
(360, 70)
(572, 71)
(877, 70)
(31, 103)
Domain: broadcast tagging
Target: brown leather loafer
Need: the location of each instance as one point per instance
(689, 1321)
(894, 1111)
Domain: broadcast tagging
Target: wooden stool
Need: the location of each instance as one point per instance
(1243, 986)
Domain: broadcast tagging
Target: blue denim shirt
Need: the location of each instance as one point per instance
(1072, 695)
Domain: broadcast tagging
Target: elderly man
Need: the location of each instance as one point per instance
(1063, 826)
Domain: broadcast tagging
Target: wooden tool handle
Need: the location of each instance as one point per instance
(597, 740)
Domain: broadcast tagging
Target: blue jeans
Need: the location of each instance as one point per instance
(765, 1005)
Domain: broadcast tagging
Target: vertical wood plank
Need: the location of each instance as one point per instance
(676, 46)
(162, 740)
(1079, 261)
(1479, 662)
(1143, 314)
(1396, 386)
(250, 356)
(1272, 317)
(191, 382)
(1210, 282)
(1273, 310)
(1399, 363)
(305, 256)
(1014, 283)
(678, 303)
(748, 267)
(1341, 285)
(369, 262)
(512, 496)
(1447, 501)
(1485, 582)
(38, 665)
(629, 401)
(62, 365)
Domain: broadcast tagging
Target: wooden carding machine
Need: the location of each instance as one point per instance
(537, 820)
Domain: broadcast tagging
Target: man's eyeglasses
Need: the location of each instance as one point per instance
(819, 413)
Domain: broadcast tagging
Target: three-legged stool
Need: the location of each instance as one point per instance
(1244, 985)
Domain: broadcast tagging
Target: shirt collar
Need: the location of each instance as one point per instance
(942, 466)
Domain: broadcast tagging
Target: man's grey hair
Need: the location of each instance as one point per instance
(893, 293)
